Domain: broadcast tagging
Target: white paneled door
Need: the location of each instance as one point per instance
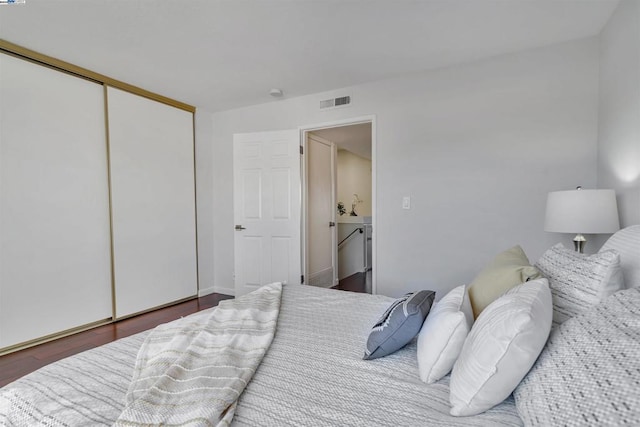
(266, 209)
(322, 246)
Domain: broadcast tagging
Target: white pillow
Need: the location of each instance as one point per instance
(502, 346)
(443, 333)
(579, 281)
(626, 242)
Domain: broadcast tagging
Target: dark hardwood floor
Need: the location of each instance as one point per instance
(355, 283)
(20, 363)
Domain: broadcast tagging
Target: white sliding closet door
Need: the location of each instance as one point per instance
(153, 202)
(55, 271)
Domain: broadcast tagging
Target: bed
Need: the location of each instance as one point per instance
(313, 372)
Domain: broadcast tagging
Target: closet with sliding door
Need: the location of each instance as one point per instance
(97, 199)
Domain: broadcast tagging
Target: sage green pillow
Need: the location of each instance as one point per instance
(507, 270)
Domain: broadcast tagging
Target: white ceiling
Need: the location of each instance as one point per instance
(218, 55)
(353, 138)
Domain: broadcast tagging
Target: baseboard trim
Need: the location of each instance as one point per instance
(323, 285)
(206, 291)
(322, 278)
(226, 290)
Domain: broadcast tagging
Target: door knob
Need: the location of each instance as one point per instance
(332, 224)
(239, 227)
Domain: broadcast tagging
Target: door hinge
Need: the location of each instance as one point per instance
(302, 279)
(301, 150)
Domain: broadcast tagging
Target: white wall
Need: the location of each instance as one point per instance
(619, 113)
(476, 146)
(351, 254)
(354, 177)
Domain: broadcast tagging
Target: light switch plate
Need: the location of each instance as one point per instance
(406, 202)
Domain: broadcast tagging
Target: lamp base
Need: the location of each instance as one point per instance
(578, 243)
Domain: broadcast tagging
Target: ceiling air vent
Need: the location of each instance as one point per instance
(335, 102)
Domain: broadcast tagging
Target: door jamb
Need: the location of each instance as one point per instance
(303, 185)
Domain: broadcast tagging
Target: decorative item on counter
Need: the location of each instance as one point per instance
(354, 203)
(341, 209)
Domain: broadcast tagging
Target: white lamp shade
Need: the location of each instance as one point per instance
(582, 211)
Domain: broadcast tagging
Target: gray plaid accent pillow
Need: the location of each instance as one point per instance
(579, 281)
(399, 324)
(589, 372)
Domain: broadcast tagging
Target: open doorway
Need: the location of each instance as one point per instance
(339, 206)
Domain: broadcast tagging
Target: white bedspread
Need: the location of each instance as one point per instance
(312, 375)
(191, 372)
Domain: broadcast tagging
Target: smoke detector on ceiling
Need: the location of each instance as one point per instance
(342, 101)
(276, 93)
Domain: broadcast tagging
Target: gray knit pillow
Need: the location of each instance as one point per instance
(589, 372)
(399, 324)
(579, 281)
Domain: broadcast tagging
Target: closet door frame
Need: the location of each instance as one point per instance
(152, 169)
(20, 52)
(54, 217)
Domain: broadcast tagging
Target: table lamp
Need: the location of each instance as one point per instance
(582, 211)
